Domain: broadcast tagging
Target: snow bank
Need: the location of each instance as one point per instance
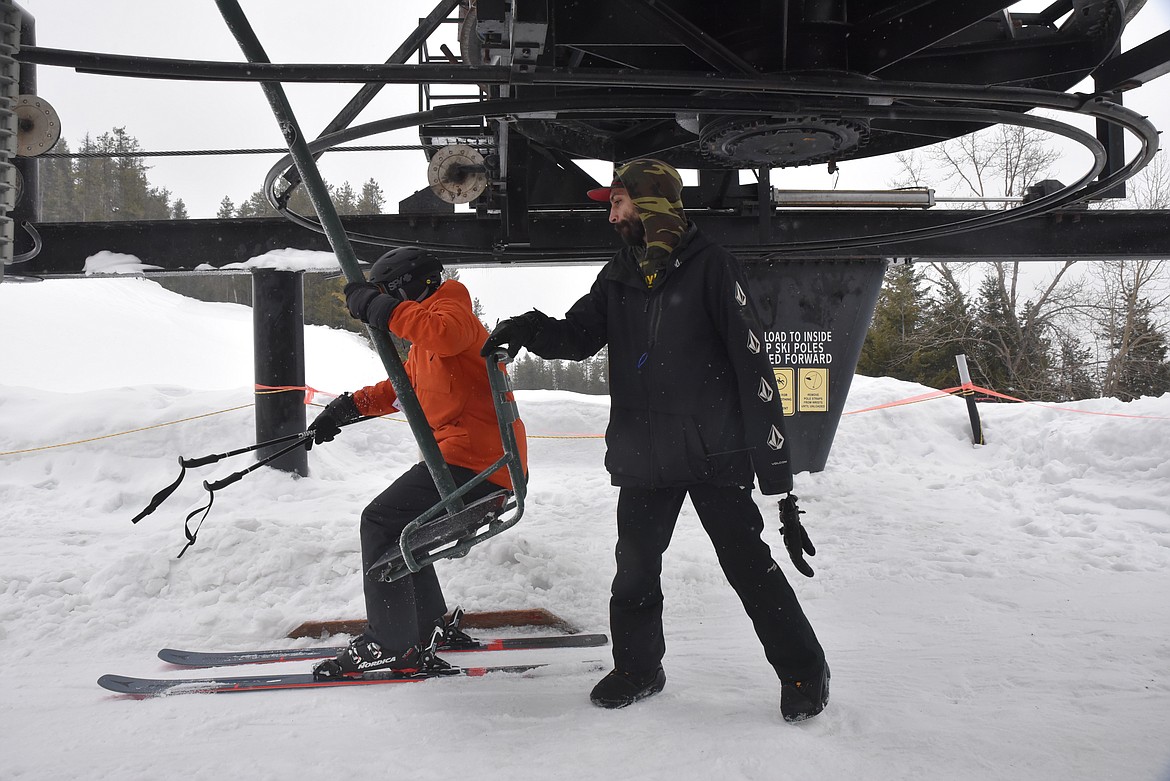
(989, 612)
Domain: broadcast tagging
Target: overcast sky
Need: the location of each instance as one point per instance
(178, 115)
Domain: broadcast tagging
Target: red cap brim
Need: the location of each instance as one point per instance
(600, 194)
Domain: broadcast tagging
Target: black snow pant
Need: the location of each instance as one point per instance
(402, 613)
(646, 520)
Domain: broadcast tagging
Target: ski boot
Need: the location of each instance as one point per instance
(365, 656)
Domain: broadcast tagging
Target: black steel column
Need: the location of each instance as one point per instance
(1113, 139)
(29, 206)
(278, 325)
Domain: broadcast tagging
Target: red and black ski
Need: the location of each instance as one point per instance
(155, 687)
(231, 658)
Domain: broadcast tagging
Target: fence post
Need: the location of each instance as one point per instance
(969, 394)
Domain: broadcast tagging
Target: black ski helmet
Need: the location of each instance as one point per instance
(409, 273)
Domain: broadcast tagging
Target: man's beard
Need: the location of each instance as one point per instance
(632, 231)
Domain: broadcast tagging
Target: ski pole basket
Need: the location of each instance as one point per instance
(446, 533)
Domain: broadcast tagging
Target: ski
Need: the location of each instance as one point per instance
(142, 688)
(230, 658)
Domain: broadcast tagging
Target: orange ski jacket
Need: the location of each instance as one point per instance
(450, 379)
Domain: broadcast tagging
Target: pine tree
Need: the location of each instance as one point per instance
(948, 331)
(344, 199)
(372, 200)
(227, 209)
(1011, 350)
(1144, 370)
(111, 185)
(256, 206)
(894, 340)
(58, 185)
(1071, 375)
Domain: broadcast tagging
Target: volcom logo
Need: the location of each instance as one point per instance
(775, 439)
(765, 392)
(753, 344)
(740, 298)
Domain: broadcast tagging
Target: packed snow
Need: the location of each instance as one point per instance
(993, 612)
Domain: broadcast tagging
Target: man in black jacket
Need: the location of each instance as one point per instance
(694, 411)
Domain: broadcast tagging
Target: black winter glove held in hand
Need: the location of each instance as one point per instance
(516, 332)
(795, 537)
(328, 424)
(369, 304)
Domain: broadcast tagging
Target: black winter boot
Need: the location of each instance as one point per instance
(800, 700)
(619, 689)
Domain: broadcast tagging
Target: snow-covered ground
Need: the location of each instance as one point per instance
(1000, 612)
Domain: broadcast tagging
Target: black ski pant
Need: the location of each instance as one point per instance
(402, 613)
(646, 520)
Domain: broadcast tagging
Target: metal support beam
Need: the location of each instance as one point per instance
(764, 199)
(278, 337)
(1137, 66)
(675, 25)
(369, 91)
(880, 40)
(1113, 139)
(585, 236)
(319, 195)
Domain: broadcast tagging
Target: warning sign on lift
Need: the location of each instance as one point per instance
(813, 389)
(786, 384)
(795, 348)
(800, 360)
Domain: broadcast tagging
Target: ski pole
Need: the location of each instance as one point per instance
(193, 463)
(234, 477)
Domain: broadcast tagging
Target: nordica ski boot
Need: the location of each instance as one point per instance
(366, 656)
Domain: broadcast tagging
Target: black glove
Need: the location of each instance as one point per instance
(369, 304)
(328, 424)
(795, 537)
(516, 332)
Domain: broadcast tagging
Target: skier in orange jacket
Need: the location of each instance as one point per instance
(406, 294)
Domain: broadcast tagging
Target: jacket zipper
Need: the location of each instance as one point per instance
(651, 339)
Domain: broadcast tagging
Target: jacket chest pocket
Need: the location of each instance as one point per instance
(433, 377)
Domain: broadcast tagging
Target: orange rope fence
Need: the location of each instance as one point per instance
(965, 390)
(312, 393)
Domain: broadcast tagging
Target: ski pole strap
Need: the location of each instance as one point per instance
(162, 495)
(191, 535)
(232, 478)
(194, 463)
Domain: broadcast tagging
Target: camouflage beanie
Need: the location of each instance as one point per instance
(655, 188)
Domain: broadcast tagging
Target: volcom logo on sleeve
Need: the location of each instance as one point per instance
(765, 391)
(740, 298)
(775, 439)
(753, 344)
